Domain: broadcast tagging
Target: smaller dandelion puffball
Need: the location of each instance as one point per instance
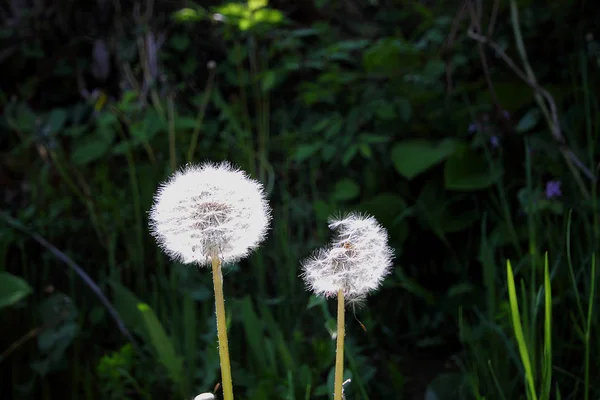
(209, 209)
(356, 261)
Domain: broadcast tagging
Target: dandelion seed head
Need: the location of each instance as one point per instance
(356, 261)
(208, 209)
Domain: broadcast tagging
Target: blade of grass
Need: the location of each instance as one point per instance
(571, 269)
(547, 370)
(518, 330)
(588, 329)
(163, 345)
(254, 334)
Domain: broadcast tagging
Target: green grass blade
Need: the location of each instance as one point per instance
(547, 368)
(162, 345)
(588, 328)
(571, 269)
(253, 329)
(518, 329)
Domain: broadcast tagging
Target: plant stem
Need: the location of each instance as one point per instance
(588, 328)
(339, 356)
(222, 329)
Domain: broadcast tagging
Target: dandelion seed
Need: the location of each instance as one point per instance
(356, 261)
(209, 209)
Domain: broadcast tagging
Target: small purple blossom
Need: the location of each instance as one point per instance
(473, 127)
(495, 141)
(506, 114)
(553, 189)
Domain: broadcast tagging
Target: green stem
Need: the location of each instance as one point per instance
(588, 328)
(200, 117)
(171, 117)
(339, 355)
(222, 329)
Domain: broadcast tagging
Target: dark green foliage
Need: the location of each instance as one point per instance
(381, 106)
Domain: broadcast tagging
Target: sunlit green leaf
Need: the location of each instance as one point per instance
(12, 289)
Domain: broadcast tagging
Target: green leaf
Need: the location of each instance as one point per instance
(385, 110)
(123, 147)
(189, 15)
(126, 304)
(346, 189)
(413, 157)
(467, 170)
(529, 121)
(253, 328)
(150, 125)
(162, 345)
(180, 42)
(57, 339)
(365, 150)
(256, 4)
(445, 386)
(75, 130)
(314, 301)
(12, 289)
(267, 15)
(305, 151)
(268, 81)
(56, 120)
(322, 210)
(89, 149)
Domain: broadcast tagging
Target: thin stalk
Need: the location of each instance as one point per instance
(172, 154)
(588, 329)
(78, 193)
(339, 353)
(531, 225)
(200, 117)
(591, 134)
(222, 329)
(78, 270)
(135, 191)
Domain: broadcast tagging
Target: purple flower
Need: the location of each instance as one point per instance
(553, 189)
(495, 141)
(473, 127)
(506, 114)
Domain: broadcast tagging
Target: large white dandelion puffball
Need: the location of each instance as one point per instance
(209, 210)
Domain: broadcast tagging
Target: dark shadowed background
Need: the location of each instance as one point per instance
(469, 129)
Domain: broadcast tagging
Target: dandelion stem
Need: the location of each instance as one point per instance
(339, 356)
(222, 329)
